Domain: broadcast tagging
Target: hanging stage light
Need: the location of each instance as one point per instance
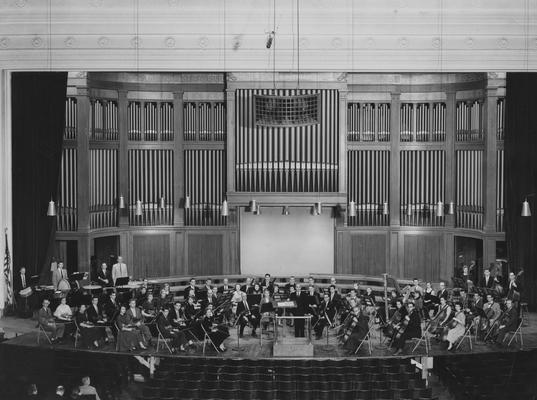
(352, 208)
(138, 211)
(225, 209)
(385, 208)
(451, 208)
(253, 206)
(526, 210)
(51, 212)
(285, 210)
(439, 209)
(121, 202)
(187, 202)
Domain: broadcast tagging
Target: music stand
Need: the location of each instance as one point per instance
(33, 281)
(77, 276)
(124, 280)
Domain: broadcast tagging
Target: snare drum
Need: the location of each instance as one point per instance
(64, 285)
(26, 292)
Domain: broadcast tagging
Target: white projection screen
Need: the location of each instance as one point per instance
(295, 244)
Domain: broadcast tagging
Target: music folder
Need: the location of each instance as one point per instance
(124, 280)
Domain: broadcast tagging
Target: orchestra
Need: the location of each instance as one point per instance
(133, 311)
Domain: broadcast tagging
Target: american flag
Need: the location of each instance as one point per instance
(7, 273)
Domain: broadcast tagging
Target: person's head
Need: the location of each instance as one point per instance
(150, 297)
(463, 293)
(311, 289)
(208, 282)
(266, 293)
(486, 272)
(86, 380)
(355, 286)
(103, 266)
(143, 290)
(237, 287)
(132, 303)
(23, 270)
(394, 294)
(267, 277)
(428, 285)
(442, 285)
(120, 259)
(191, 293)
(113, 296)
(167, 286)
(162, 292)
(82, 309)
(177, 305)
(512, 276)
(165, 311)
(477, 296)
(443, 301)
(63, 300)
(465, 270)
(399, 303)
(192, 282)
(46, 303)
(410, 306)
(256, 286)
(311, 280)
(60, 390)
(509, 303)
(209, 312)
(458, 306)
(415, 281)
(369, 291)
(332, 280)
(298, 287)
(292, 280)
(332, 289)
(276, 288)
(356, 310)
(353, 293)
(489, 298)
(226, 281)
(60, 264)
(190, 300)
(326, 297)
(248, 281)
(122, 310)
(32, 389)
(95, 301)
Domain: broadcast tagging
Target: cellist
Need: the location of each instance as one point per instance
(410, 328)
(357, 329)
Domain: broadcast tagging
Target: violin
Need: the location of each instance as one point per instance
(403, 325)
(350, 328)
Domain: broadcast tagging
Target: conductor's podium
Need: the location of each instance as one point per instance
(290, 346)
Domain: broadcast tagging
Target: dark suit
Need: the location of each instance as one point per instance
(413, 330)
(224, 289)
(187, 291)
(102, 276)
(46, 321)
(93, 314)
(443, 293)
(166, 330)
(489, 284)
(510, 320)
(17, 283)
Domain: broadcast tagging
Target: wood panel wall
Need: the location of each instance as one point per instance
(423, 256)
(368, 254)
(205, 254)
(151, 255)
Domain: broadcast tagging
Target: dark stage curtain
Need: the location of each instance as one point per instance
(38, 114)
(521, 178)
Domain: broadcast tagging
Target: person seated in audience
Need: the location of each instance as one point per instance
(442, 291)
(136, 319)
(129, 338)
(60, 392)
(458, 326)
(491, 309)
(149, 307)
(225, 288)
(412, 330)
(104, 277)
(210, 298)
(47, 322)
(141, 296)
(191, 286)
(89, 333)
(267, 284)
(87, 389)
(177, 337)
(64, 314)
(176, 316)
(508, 322)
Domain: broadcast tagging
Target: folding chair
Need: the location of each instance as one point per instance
(424, 338)
(77, 332)
(207, 338)
(44, 332)
(165, 341)
(467, 335)
(517, 331)
(367, 339)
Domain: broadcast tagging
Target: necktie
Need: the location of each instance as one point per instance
(23, 281)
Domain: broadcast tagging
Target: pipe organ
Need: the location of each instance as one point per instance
(174, 147)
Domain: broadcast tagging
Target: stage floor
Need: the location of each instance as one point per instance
(25, 334)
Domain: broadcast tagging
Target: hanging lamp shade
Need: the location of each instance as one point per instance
(162, 202)
(451, 208)
(253, 206)
(352, 208)
(51, 211)
(187, 201)
(285, 210)
(318, 208)
(409, 210)
(225, 209)
(439, 209)
(526, 211)
(138, 211)
(121, 202)
(385, 208)
(257, 210)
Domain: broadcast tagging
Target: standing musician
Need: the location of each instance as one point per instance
(457, 326)
(302, 308)
(326, 315)
(169, 332)
(191, 287)
(357, 329)
(312, 301)
(514, 288)
(60, 275)
(268, 284)
(409, 328)
(242, 311)
(487, 281)
(104, 277)
(225, 288)
(136, 319)
(507, 322)
(119, 270)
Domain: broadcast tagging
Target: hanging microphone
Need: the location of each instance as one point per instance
(270, 39)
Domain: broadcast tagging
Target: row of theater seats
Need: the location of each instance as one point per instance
(491, 376)
(368, 379)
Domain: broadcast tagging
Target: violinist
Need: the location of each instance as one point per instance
(149, 307)
(217, 333)
(392, 327)
(410, 328)
(442, 317)
(268, 284)
(492, 309)
(478, 316)
(369, 302)
(430, 301)
(162, 301)
(136, 319)
(169, 332)
(348, 303)
(335, 298)
(507, 322)
(141, 296)
(458, 326)
(192, 286)
(327, 312)
(357, 329)
(176, 316)
(210, 298)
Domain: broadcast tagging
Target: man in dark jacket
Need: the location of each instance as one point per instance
(412, 330)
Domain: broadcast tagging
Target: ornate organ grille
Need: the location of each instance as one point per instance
(469, 124)
(150, 180)
(423, 122)
(103, 188)
(204, 121)
(150, 121)
(368, 122)
(469, 189)
(286, 159)
(205, 183)
(284, 110)
(67, 217)
(104, 120)
(70, 119)
(368, 186)
(422, 186)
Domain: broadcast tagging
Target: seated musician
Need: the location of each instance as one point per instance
(149, 308)
(508, 322)
(411, 328)
(225, 288)
(208, 286)
(162, 300)
(369, 301)
(210, 298)
(266, 309)
(242, 311)
(97, 317)
(129, 338)
(256, 289)
(141, 297)
(477, 314)
(247, 287)
(491, 309)
(46, 321)
(442, 291)
(393, 301)
(176, 316)
(458, 326)
(514, 288)
(335, 297)
(418, 302)
(463, 299)
(267, 284)
(356, 331)
(278, 296)
(136, 319)
(290, 284)
(89, 332)
(395, 320)
(168, 292)
(191, 286)
(217, 333)
(416, 287)
(327, 312)
(442, 317)
(356, 286)
(111, 307)
(169, 332)
(192, 308)
(430, 301)
(64, 314)
(104, 277)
